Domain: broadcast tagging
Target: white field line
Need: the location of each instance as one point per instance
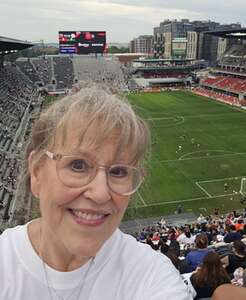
(209, 115)
(222, 179)
(189, 116)
(176, 121)
(207, 151)
(204, 190)
(200, 157)
(141, 198)
(184, 200)
(177, 118)
(161, 118)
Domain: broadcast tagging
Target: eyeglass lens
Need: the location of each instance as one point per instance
(77, 172)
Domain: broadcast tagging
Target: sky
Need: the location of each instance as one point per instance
(123, 20)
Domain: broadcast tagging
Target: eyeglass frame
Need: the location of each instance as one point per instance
(57, 156)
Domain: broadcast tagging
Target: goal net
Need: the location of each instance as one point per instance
(243, 187)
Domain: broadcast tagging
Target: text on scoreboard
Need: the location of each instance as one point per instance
(82, 42)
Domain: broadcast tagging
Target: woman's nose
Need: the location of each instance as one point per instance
(98, 189)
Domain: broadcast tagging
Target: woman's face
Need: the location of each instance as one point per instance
(79, 220)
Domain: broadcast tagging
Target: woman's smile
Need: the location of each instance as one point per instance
(88, 218)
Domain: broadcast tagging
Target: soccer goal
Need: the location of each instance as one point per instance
(243, 187)
(242, 191)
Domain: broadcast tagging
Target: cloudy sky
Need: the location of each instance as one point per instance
(123, 20)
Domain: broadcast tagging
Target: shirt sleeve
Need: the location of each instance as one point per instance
(166, 283)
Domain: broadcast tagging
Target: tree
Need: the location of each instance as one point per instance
(114, 49)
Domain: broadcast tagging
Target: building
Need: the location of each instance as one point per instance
(189, 39)
(142, 44)
(170, 38)
(192, 45)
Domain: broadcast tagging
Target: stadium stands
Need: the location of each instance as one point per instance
(17, 100)
(232, 84)
(162, 74)
(58, 73)
(182, 244)
(28, 69)
(43, 68)
(217, 96)
(63, 72)
(234, 58)
(100, 69)
(227, 82)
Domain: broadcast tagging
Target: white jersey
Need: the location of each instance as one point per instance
(123, 269)
(183, 239)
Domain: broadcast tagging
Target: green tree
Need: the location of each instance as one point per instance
(114, 49)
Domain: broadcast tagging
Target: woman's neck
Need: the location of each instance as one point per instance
(52, 251)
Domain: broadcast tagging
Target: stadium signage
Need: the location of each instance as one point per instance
(82, 42)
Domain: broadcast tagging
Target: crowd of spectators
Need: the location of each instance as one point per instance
(220, 96)
(63, 72)
(17, 96)
(26, 66)
(227, 83)
(101, 69)
(43, 67)
(234, 58)
(208, 252)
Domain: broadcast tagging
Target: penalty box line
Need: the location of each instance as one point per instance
(221, 179)
(204, 190)
(184, 200)
(141, 198)
(198, 183)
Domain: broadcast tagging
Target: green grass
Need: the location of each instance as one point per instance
(213, 151)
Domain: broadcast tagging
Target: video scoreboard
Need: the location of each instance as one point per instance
(82, 42)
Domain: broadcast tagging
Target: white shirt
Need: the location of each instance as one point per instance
(185, 240)
(123, 269)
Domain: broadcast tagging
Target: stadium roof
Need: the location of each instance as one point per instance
(8, 45)
(233, 33)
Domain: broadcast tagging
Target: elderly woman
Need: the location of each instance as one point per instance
(84, 162)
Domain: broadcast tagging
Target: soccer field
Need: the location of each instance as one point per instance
(198, 145)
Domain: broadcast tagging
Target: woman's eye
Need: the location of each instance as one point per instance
(119, 171)
(79, 165)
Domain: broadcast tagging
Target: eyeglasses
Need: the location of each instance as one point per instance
(78, 171)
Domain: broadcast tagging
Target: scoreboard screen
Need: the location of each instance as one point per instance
(82, 42)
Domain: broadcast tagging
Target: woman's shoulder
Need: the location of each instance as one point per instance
(9, 235)
(9, 241)
(131, 245)
(156, 271)
(130, 252)
(12, 230)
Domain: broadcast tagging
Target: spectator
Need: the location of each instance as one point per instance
(236, 259)
(229, 292)
(239, 225)
(238, 277)
(186, 237)
(173, 253)
(195, 257)
(232, 235)
(209, 276)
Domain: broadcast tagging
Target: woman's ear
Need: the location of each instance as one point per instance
(33, 169)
